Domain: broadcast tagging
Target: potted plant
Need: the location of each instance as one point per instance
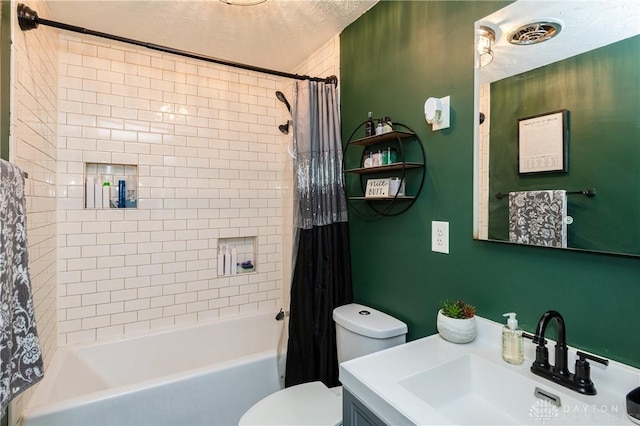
(457, 322)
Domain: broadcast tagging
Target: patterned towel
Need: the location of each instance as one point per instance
(538, 218)
(20, 355)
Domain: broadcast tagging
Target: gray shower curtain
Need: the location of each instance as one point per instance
(322, 271)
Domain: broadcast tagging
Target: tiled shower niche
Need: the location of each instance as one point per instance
(236, 256)
(107, 181)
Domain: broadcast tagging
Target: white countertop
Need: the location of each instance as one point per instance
(374, 379)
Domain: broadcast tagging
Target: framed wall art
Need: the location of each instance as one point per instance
(543, 143)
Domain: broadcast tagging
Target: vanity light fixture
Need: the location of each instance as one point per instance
(485, 40)
(436, 112)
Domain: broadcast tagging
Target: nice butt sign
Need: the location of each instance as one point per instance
(377, 188)
(381, 188)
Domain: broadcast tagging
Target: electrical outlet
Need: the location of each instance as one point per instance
(440, 237)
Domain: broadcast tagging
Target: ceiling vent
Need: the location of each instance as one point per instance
(534, 32)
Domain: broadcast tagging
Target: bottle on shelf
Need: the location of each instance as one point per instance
(389, 156)
(377, 158)
(368, 161)
(393, 155)
(396, 187)
(380, 127)
(388, 126)
(369, 127)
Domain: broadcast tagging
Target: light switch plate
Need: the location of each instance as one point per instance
(440, 237)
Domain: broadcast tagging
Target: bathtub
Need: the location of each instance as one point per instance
(204, 374)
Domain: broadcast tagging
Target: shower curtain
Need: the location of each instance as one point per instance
(322, 271)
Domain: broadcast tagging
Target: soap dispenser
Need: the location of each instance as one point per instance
(512, 341)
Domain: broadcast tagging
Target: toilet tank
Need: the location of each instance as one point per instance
(361, 330)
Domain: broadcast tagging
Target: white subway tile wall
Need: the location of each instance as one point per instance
(33, 149)
(205, 141)
(210, 166)
(483, 160)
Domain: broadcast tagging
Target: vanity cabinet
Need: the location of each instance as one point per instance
(355, 413)
(408, 167)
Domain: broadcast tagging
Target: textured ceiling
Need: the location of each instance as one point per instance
(277, 34)
(281, 34)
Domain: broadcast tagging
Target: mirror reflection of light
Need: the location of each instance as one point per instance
(484, 45)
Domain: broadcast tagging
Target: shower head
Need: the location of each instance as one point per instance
(284, 128)
(283, 99)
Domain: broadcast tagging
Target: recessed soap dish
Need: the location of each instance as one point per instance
(633, 405)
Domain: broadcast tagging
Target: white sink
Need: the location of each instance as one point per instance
(473, 391)
(430, 381)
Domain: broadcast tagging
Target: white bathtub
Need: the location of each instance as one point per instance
(205, 374)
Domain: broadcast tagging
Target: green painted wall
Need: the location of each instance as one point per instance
(603, 146)
(392, 59)
(5, 81)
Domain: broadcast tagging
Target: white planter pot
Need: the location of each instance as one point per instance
(457, 330)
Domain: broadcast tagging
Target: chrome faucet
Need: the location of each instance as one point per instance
(559, 373)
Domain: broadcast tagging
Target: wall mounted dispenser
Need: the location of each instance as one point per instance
(436, 112)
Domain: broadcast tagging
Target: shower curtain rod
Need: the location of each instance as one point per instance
(28, 19)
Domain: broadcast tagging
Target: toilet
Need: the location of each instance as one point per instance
(360, 330)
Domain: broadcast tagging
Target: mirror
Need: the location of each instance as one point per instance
(574, 98)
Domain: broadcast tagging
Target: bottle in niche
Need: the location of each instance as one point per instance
(122, 193)
(369, 127)
(106, 194)
(90, 196)
(97, 188)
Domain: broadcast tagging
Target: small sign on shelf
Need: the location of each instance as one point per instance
(384, 188)
(377, 188)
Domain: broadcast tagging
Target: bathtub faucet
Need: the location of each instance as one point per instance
(280, 316)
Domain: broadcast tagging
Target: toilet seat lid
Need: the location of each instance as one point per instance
(306, 404)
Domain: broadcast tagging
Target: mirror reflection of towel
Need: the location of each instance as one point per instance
(538, 218)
